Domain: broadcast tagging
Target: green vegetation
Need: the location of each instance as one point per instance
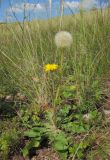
(56, 105)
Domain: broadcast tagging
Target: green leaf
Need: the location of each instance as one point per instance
(80, 154)
(25, 151)
(73, 87)
(36, 143)
(60, 146)
(30, 134)
(93, 114)
(60, 142)
(62, 138)
(30, 145)
(67, 94)
(63, 155)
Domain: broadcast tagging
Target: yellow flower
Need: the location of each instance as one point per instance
(50, 67)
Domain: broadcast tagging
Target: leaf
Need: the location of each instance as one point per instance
(93, 114)
(80, 154)
(67, 94)
(80, 129)
(30, 145)
(60, 146)
(36, 143)
(73, 87)
(75, 127)
(30, 134)
(39, 129)
(62, 138)
(25, 151)
(63, 155)
(61, 142)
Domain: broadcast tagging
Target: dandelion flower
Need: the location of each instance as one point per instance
(50, 67)
(63, 39)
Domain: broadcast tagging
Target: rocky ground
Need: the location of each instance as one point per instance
(48, 153)
(106, 104)
(42, 154)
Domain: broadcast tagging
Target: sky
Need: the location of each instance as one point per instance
(14, 10)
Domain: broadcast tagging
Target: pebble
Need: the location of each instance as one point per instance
(106, 105)
(9, 98)
(86, 117)
(106, 113)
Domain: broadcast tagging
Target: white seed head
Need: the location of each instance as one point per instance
(63, 39)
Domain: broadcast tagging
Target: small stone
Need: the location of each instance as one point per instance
(86, 117)
(46, 154)
(106, 113)
(18, 157)
(9, 98)
(34, 158)
(106, 105)
(20, 97)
